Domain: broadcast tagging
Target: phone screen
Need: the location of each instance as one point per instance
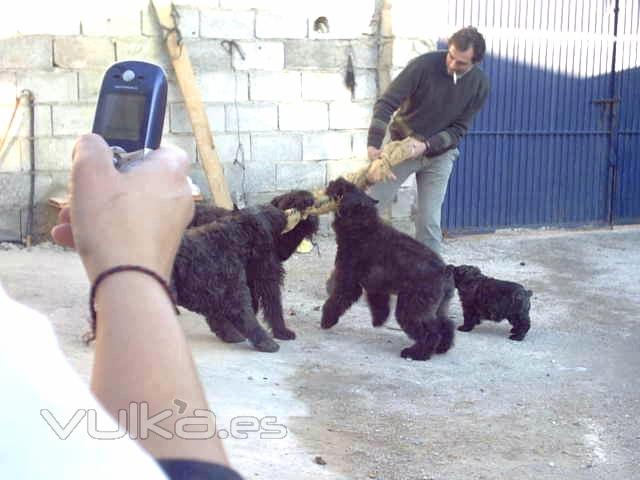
(123, 116)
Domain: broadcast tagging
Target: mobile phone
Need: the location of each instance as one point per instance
(130, 111)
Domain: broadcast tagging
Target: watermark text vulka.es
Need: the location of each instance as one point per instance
(141, 424)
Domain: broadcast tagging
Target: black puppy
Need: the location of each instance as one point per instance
(487, 298)
(377, 258)
(229, 264)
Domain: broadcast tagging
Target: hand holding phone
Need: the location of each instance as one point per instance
(131, 109)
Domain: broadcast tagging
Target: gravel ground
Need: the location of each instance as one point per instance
(561, 405)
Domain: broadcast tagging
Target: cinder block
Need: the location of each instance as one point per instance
(281, 25)
(366, 87)
(404, 50)
(143, 49)
(301, 175)
(227, 146)
(231, 24)
(11, 158)
(365, 53)
(275, 86)
(207, 55)
(28, 52)
(326, 145)
(14, 188)
(41, 23)
(419, 19)
(350, 20)
(83, 52)
(89, 82)
(179, 119)
(252, 117)
(72, 119)
(346, 115)
(52, 86)
(306, 54)
(120, 23)
(54, 153)
(223, 86)
(42, 120)
(276, 148)
(359, 144)
(185, 142)
(8, 88)
(174, 94)
(188, 22)
(326, 86)
(340, 168)
(235, 176)
(260, 177)
(303, 116)
(13, 125)
(271, 5)
(260, 56)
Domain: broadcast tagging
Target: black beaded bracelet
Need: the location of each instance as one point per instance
(125, 268)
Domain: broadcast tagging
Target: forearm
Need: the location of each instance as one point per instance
(142, 356)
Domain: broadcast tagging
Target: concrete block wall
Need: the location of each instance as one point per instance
(284, 106)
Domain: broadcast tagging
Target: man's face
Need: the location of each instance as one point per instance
(459, 61)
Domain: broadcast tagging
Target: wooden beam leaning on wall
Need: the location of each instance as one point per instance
(165, 12)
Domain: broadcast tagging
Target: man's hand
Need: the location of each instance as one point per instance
(373, 153)
(417, 148)
(136, 217)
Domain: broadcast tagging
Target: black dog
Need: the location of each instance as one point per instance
(377, 258)
(229, 264)
(487, 298)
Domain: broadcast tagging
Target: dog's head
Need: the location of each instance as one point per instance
(354, 206)
(465, 275)
(338, 187)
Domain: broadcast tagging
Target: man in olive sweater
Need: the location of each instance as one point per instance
(435, 98)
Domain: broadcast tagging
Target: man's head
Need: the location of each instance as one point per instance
(465, 49)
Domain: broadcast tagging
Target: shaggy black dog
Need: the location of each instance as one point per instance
(229, 264)
(487, 298)
(377, 258)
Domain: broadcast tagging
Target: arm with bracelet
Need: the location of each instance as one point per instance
(126, 217)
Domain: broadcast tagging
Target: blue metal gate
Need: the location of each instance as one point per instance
(626, 203)
(549, 148)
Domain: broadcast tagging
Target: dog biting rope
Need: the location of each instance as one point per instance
(393, 153)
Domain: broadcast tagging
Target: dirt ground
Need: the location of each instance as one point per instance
(563, 404)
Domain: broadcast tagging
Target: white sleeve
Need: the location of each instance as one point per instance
(42, 395)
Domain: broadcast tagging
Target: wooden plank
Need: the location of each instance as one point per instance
(193, 101)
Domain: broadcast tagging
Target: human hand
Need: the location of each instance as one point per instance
(373, 153)
(136, 217)
(417, 148)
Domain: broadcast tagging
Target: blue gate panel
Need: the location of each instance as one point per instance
(627, 185)
(538, 152)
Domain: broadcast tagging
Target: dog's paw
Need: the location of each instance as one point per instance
(414, 353)
(465, 328)
(518, 337)
(230, 337)
(284, 334)
(378, 322)
(328, 321)
(267, 345)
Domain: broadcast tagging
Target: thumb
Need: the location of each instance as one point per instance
(92, 160)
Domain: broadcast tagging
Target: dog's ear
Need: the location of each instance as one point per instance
(338, 187)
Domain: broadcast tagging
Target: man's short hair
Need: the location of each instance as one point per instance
(469, 37)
